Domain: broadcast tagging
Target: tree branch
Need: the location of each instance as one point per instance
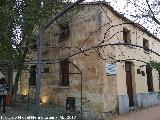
(153, 16)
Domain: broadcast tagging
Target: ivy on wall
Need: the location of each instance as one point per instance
(156, 65)
(149, 69)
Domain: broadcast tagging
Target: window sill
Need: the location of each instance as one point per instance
(130, 46)
(63, 87)
(33, 86)
(58, 86)
(147, 52)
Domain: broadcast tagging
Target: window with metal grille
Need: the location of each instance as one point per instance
(32, 79)
(64, 32)
(126, 36)
(34, 45)
(46, 70)
(64, 73)
(145, 45)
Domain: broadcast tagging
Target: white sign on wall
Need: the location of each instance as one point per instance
(111, 69)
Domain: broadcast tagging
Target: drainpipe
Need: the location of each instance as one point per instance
(40, 49)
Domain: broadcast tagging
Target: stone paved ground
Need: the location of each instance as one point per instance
(46, 112)
(152, 113)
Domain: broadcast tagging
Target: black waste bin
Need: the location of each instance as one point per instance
(70, 104)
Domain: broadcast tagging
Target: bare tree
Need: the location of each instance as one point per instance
(144, 12)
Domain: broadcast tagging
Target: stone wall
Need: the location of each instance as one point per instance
(99, 90)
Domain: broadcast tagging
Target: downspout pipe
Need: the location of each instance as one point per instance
(40, 49)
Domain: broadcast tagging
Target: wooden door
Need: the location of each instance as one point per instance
(129, 83)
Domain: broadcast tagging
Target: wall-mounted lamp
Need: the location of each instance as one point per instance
(44, 99)
(143, 73)
(24, 92)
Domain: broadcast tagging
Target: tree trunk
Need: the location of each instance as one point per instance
(20, 68)
(15, 87)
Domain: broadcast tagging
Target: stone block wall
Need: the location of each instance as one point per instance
(99, 90)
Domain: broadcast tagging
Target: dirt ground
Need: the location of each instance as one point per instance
(152, 113)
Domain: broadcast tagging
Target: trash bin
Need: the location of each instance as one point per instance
(70, 104)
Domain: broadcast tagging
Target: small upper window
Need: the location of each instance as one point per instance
(145, 45)
(46, 70)
(34, 45)
(126, 36)
(64, 32)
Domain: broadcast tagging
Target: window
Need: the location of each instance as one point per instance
(126, 36)
(138, 71)
(64, 73)
(46, 70)
(149, 78)
(64, 32)
(146, 45)
(34, 45)
(32, 79)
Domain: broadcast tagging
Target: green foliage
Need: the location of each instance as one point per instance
(156, 65)
(6, 31)
(18, 20)
(149, 69)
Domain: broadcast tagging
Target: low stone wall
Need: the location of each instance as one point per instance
(141, 100)
(123, 103)
(147, 99)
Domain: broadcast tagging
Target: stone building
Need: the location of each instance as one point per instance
(104, 45)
